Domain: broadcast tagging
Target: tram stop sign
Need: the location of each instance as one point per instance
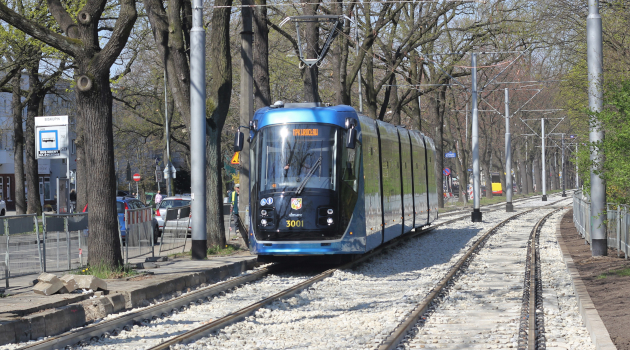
(136, 177)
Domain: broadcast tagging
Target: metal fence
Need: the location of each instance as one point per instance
(137, 237)
(65, 241)
(617, 223)
(175, 230)
(20, 245)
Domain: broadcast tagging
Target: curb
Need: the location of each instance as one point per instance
(56, 320)
(592, 321)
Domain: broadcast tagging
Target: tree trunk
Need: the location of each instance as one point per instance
(220, 92)
(439, 108)
(170, 30)
(34, 206)
(96, 104)
(310, 75)
(81, 178)
(262, 91)
(18, 146)
(488, 165)
(522, 188)
(340, 60)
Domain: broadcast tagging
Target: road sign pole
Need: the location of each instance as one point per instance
(476, 214)
(198, 132)
(596, 134)
(508, 156)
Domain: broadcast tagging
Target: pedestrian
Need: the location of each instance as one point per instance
(234, 205)
(73, 200)
(158, 198)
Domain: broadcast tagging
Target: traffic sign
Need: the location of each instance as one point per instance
(158, 176)
(450, 155)
(446, 171)
(236, 158)
(136, 177)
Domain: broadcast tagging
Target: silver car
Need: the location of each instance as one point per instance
(160, 212)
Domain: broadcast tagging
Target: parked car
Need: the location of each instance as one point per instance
(3, 207)
(160, 212)
(123, 203)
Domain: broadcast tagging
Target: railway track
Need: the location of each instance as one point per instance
(474, 306)
(114, 326)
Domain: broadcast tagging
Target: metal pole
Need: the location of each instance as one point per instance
(169, 180)
(247, 107)
(596, 134)
(476, 214)
(508, 156)
(356, 11)
(564, 174)
(198, 131)
(466, 121)
(544, 174)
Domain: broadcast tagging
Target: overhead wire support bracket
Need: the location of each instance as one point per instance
(334, 31)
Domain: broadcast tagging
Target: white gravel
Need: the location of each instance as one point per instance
(355, 309)
(351, 309)
(564, 326)
(483, 308)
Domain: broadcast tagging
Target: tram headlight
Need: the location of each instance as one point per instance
(330, 221)
(330, 211)
(263, 212)
(263, 222)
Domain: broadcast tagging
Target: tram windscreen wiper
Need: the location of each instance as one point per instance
(317, 164)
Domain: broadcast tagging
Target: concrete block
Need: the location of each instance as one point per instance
(69, 282)
(37, 326)
(118, 302)
(7, 332)
(61, 320)
(46, 288)
(47, 277)
(89, 282)
(22, 330)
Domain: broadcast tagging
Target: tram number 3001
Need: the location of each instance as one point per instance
(295, 223)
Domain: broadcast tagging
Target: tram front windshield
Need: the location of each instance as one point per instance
(297, 156)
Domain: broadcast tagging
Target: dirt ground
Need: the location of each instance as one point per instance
(609, 292)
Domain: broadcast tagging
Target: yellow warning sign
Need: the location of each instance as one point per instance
(236, 158)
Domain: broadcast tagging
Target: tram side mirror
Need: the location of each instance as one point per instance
(352, 138)
(238, 141)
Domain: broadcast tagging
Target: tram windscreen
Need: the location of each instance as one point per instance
(297, 155)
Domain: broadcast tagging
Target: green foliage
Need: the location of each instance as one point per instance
(614, 165)
(219, 251)
(103, 271)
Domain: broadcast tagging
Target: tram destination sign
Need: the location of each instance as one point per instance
(51, 137)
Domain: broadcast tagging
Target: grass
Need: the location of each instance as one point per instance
(212, 251)
(218, 251)
(622, 273)
(106, 272)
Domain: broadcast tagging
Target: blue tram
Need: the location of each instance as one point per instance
(325, 180)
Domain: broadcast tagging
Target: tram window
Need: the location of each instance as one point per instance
(351, 160)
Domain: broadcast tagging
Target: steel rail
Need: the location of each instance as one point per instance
(399, 333)
(236, 316)
(158, 310)
(488, 206)
(98, 330)
(533, 282)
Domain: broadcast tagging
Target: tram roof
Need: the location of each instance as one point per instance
(304, 113)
